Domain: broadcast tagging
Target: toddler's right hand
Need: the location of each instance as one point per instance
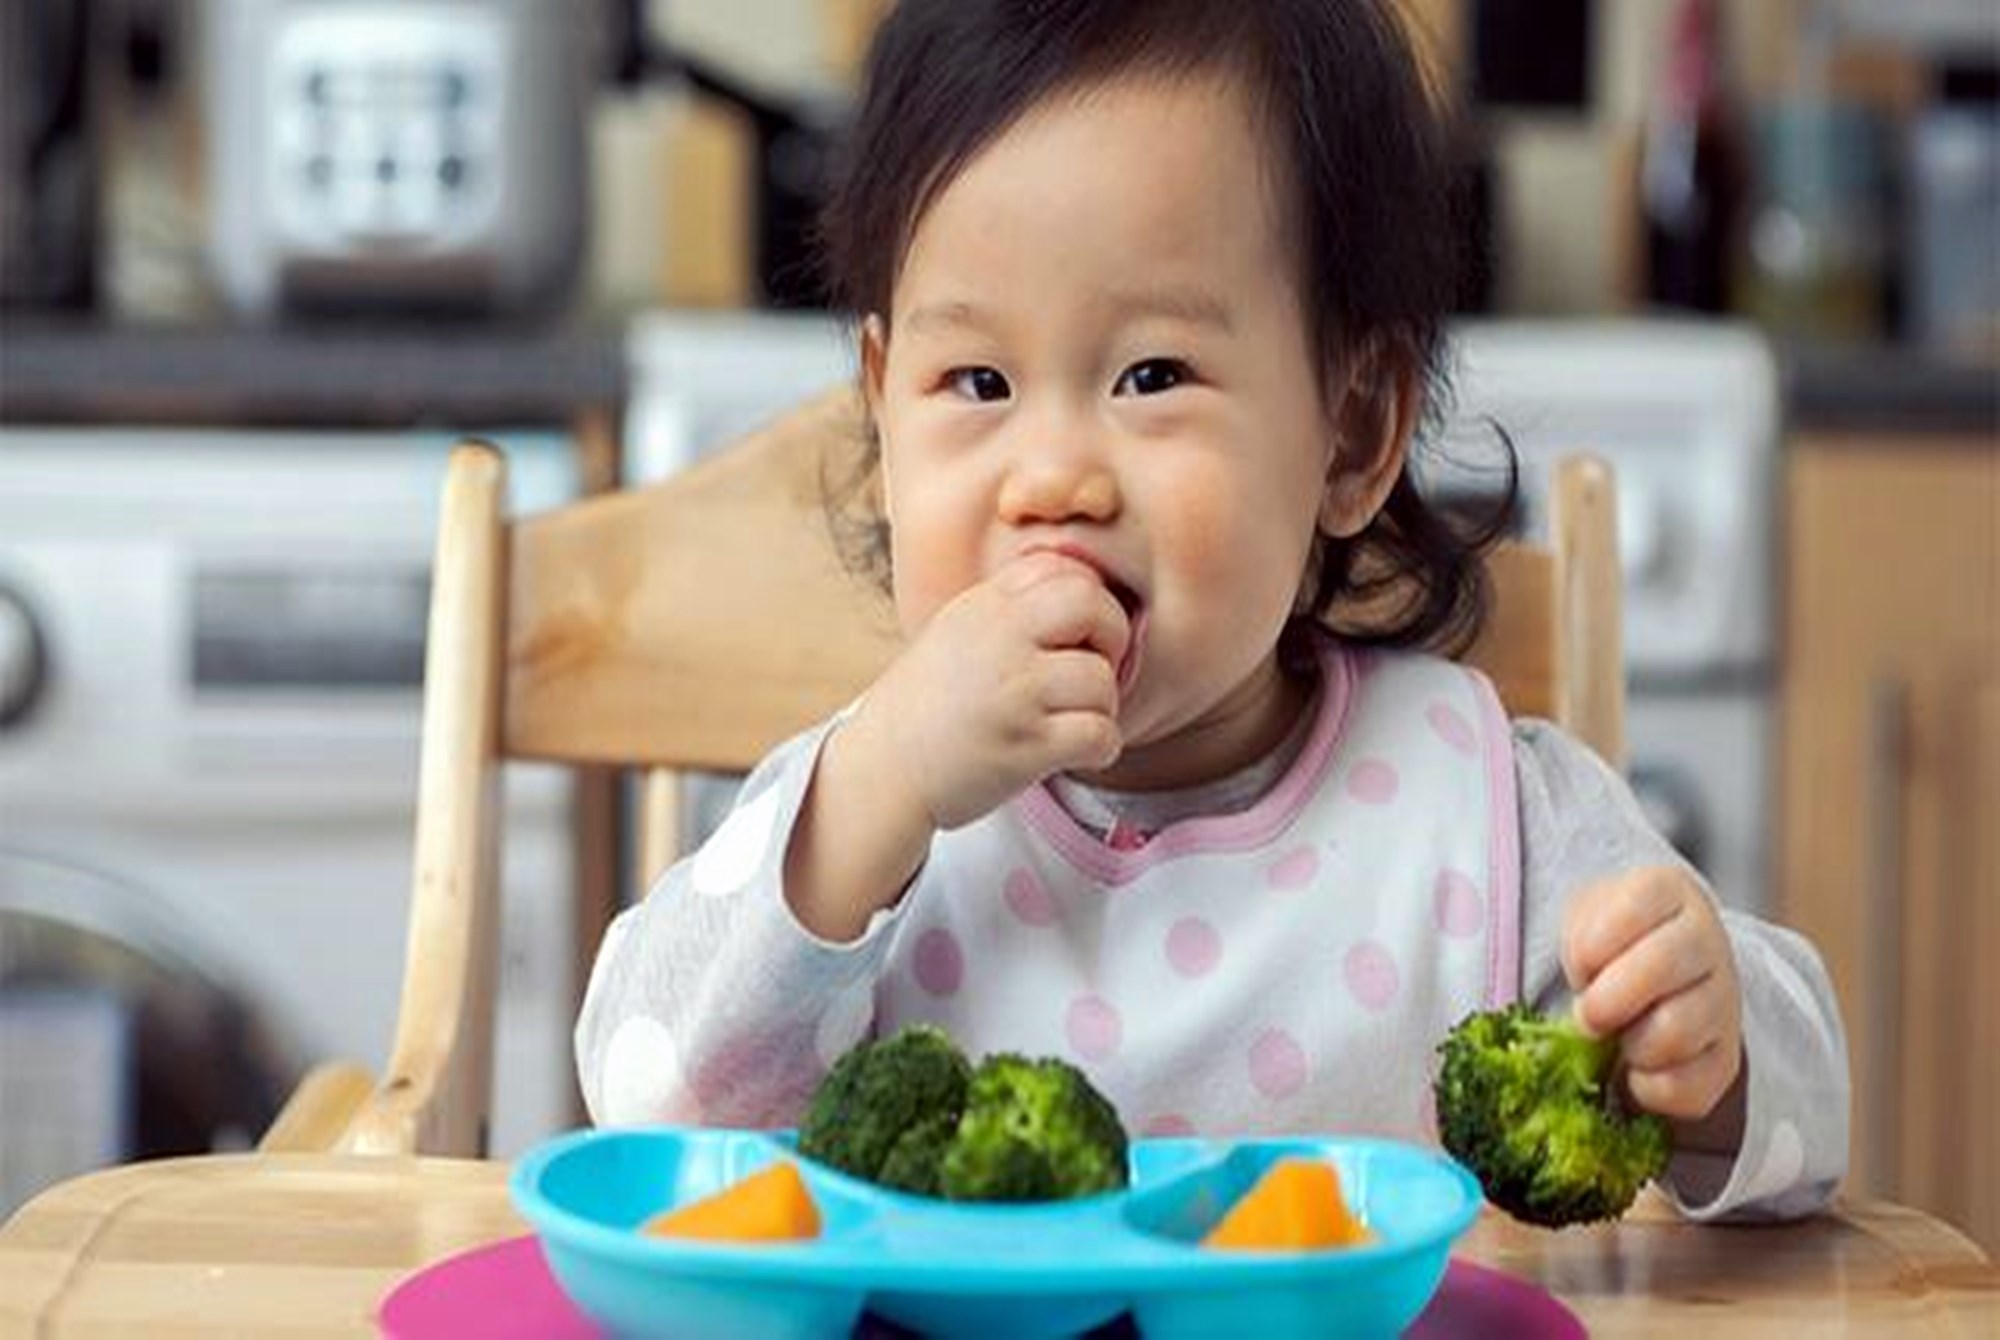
(1012, 680)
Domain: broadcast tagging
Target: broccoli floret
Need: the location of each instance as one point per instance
(910, 1113)
(1033, 1130)
(877, 1093)
(1524, 1101)
(916, 1157)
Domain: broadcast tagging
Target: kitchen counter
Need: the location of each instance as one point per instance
(470, 375)
(1905, 391)
(70, 371)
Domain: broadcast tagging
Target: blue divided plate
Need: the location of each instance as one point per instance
(956, 1269)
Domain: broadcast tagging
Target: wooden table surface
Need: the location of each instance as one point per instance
(306, 1245)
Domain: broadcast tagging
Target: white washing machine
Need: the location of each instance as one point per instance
(1687, 413)
(210, 669)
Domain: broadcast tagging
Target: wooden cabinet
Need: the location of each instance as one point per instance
(1890, 813)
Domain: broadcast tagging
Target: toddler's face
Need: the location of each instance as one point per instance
(1096, 342)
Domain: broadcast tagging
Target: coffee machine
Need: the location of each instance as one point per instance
(396, 155)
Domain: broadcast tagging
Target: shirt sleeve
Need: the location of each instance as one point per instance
(1580, 823)
(708, 1002)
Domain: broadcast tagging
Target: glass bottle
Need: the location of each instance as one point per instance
(1691, 176)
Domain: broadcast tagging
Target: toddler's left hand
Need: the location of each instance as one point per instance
(1649, 961)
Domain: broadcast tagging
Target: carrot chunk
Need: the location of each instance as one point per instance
(1295, 1206)
(771, 1205)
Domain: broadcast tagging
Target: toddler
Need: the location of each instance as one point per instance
(1151, 299)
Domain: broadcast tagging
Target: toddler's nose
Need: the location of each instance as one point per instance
(1057, 487)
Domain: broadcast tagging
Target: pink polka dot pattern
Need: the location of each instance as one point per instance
(1371, 975)
(1277, 1064)
(755, 1079)
(1094, 1028)
(1458, 904)
(1167, 1124)
(1029, 899)
(1193, 947)
(939, 963)
(1452, 727)
(1294, 870)
(1373, 782)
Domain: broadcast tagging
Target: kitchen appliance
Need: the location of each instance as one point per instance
(1686, 413)
(211, 648)
(48, 155)
(120, 1036)
(426, 155)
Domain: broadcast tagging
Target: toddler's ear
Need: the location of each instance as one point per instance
(874, 362)
(1372, 423)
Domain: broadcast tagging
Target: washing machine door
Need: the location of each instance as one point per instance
(121, 1036)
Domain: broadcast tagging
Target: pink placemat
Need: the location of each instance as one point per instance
(1476, 1301)
(504, 1291)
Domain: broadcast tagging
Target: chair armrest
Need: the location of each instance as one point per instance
(409, 1113)
(317, 1114)
(436, 1090)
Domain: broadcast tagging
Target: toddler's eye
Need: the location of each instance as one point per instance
(982, 384)
(1151, 377)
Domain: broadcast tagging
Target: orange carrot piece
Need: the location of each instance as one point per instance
(1295, 1206)
(771, 1205)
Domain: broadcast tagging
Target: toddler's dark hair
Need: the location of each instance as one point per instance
(1369, 182)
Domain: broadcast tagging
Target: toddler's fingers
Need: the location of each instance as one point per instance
(1669, 958)
(1082, 740)
(1065, 603)
(1686, 1092)
(1677, 1029)
(1073, 680)
(1606, 918)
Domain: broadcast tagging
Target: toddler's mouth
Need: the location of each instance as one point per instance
(1135, 616)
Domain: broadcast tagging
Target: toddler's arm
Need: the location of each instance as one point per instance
(1581, 826)
(708, 1002)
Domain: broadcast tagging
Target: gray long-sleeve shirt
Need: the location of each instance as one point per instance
(725, 1008)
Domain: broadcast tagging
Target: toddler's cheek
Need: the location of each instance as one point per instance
(919, 595)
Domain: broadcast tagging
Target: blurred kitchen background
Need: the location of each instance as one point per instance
(261, 261)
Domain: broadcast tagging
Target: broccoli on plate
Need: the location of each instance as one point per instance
(1526, 1103)
(910, 1112)
(879, 1092)
(1033, 1130)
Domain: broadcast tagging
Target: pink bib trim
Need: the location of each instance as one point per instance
(1242, 831)
(1503, 870)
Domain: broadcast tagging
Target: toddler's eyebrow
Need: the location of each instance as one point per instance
(946, 315)
(1195, 307)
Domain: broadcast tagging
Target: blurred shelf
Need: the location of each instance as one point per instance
(470, 375)
(450, 376)
(1889, 389)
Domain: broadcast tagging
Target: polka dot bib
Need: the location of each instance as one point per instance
(1285, 968)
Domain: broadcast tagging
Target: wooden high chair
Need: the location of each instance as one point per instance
(695, 623)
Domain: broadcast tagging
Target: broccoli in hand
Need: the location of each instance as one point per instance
(1524, 1102)
(1033, 1130)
